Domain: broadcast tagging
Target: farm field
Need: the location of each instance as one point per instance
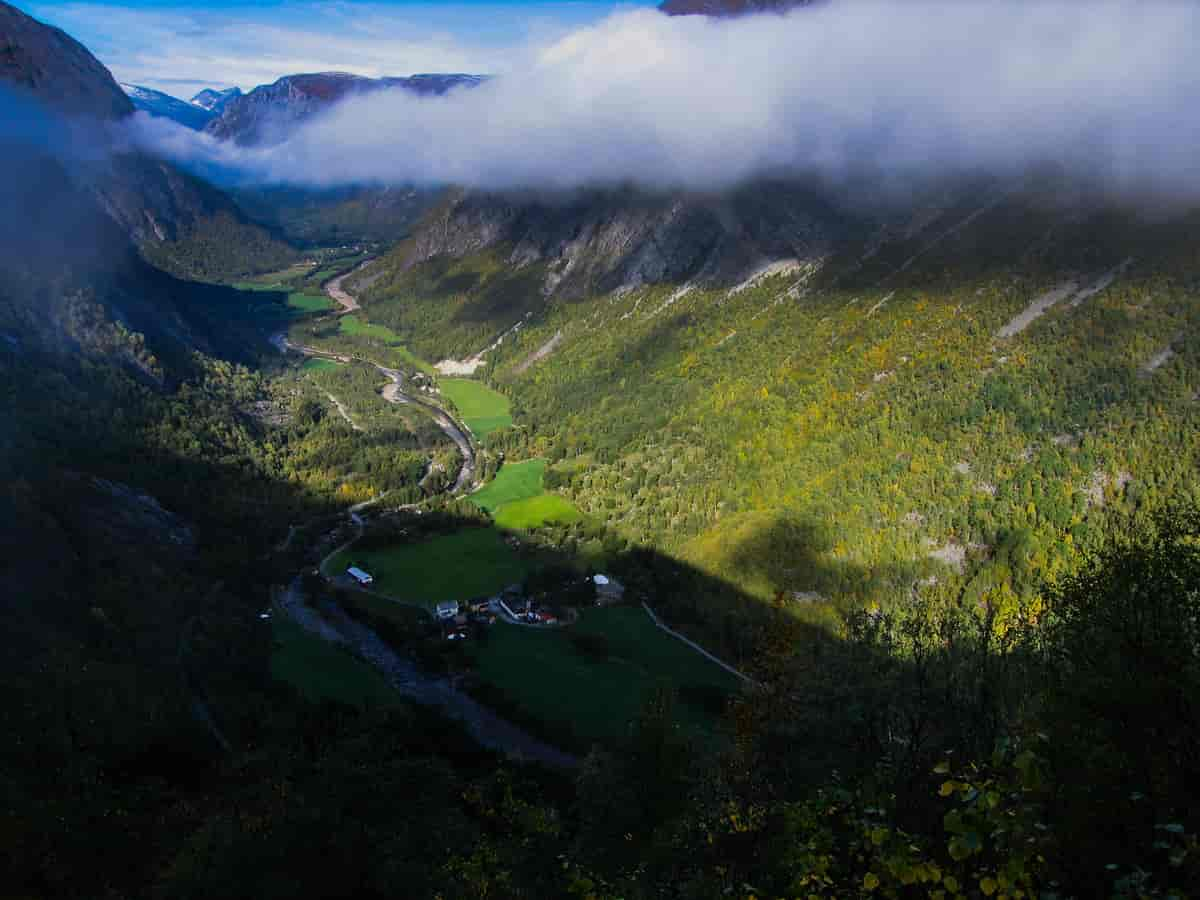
(321, 671)
(515, 481)
(460, 566)
(308, 302)
(597, 693)
(482, 409)
(357, 329)
(516, 498)
(533, 512)
(353, 326)
(316, 364)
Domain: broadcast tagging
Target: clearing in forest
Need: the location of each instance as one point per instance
(308, 302)
(515, 481)
(588, 681)
(322, 671)
(317, 364)
(517, 498)
(474, 562)
(353, 326)
(482, 409)
(533, 512)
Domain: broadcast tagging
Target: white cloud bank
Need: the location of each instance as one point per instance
(854, 86)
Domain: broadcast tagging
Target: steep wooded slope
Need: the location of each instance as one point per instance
(831, 406)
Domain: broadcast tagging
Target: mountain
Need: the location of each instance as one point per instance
(51, 65)
(183, 223)
(268, 111)
(214, 101)
(165, 106)
(728, 8)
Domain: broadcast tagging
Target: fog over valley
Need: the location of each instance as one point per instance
(844, 89)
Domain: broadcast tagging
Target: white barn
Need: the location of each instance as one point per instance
(360, 576)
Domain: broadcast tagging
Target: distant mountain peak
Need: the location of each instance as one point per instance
(213, 100)
(727, 9)
(157, 103)
(270, 110)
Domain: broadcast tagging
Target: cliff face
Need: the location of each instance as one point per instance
(269, 111)
(54, 67)
(619, 240)
(68, 104)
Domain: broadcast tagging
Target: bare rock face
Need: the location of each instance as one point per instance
(268, 112)
(57, 69)
(214, 101)
(602, 241)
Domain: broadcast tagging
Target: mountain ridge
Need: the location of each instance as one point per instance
(269, 111)
(158, 103)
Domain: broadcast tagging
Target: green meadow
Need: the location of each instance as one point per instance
(308, 302)
(316, 364)
(595, 693)
(470, 563)
(482, 409)
(517, 498)
(533, 512)
(514, 481)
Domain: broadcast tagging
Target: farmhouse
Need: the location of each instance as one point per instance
(608, 590)
(447, 609)
(360, 576)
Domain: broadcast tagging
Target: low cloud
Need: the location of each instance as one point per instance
(844, 89)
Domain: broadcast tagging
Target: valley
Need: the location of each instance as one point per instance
(717, 455)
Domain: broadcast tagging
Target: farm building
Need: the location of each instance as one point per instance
(608, 590)
(447, 609)
(360, 576)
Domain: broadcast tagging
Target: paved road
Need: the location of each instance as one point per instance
(394, 393)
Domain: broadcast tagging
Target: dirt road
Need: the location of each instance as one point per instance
(338, 295)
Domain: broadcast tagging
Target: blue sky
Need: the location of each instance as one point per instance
(181, 47)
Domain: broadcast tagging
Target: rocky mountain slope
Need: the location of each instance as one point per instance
(213, 100)
(170, 214)
(603, 241)
(53, 66)
(165, 106)
(268, 111)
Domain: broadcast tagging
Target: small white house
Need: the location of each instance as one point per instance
(360, 576)
(608, 589)
(447, 609)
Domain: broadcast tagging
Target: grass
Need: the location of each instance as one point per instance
(353, 326)
(542, 672)
(482, 409)
(321, 671)
(516, 498)
(533, 512)
(309, 303)
(274, 287)
(514, 481)
(316, 364)
(356, 327)
(470, 563)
